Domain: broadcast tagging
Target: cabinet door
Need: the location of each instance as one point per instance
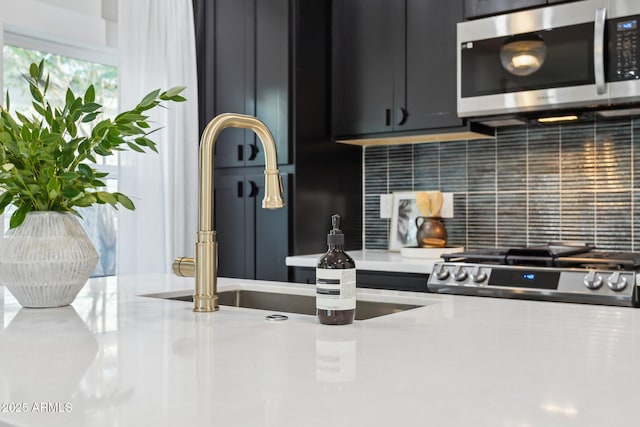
(478, 8)
(234, 227)
(272, 76)
(234, 82)
(251, 57)
(254, 80)
(252, 242)
(363, 65)
(271, 232)
(429, 100)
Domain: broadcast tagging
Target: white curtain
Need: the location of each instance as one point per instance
(157, 50)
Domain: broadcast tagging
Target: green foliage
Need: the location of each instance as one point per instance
(46, 163)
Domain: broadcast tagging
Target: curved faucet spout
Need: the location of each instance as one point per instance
(273, 183)
(205, 298)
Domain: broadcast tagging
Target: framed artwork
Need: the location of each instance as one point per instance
(403, 221)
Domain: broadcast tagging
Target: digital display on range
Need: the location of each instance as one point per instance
(525, 279)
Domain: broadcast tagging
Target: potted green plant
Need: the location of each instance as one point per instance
(47, 172)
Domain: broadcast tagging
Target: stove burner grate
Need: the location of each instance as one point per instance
(553, 255)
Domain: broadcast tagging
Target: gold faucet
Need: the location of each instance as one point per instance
(205, 265)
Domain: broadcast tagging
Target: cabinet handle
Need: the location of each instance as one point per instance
(387, 119)
(240, 189)
(240, 153)
(254, 189)
(254, 152)
(403, 116)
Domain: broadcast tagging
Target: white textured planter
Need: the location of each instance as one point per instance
(46, 260)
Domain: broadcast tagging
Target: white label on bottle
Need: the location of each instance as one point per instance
(336, 289)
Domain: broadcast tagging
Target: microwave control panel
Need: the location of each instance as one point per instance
(624, 55)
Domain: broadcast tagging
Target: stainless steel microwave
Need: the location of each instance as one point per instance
(580, 54)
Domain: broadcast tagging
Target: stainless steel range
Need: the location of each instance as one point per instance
(567, 272)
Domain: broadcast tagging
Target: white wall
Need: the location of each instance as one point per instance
(88, 7)
(78, 23)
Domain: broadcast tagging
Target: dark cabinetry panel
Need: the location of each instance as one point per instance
(431, 64)
(272, 73)
(328, 176)
(363, 65)
(270, 58)
(271, 232)
(249, 71)
(243, 67)
(394, 65)
(252, 242)
(372, 279)
(233, 77)
(230, 219)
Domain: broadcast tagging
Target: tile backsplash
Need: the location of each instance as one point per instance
(528, 186)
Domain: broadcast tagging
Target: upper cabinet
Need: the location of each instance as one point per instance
(249, 65)
(394, 65)
(363, 65)
(480, 8)
(430, 64)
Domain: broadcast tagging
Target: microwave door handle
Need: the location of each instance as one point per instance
(598, 50)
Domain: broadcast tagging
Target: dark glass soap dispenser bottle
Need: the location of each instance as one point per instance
(336, 281)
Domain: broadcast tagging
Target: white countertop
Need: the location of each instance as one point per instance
(115, 358)
(374, 260)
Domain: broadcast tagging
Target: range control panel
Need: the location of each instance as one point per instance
(611, 287)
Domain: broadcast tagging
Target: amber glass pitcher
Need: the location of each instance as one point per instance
(431, 232)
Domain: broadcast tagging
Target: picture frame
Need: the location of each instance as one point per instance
(402, 231)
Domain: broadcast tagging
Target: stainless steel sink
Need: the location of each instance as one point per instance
(292, 303)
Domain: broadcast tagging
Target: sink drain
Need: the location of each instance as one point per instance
(276, 317)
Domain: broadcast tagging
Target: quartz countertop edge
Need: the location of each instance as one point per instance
(373, 260)
(117, 356)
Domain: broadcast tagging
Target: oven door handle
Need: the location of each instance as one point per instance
(598, 50)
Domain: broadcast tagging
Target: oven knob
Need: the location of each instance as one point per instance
(441, 272)
(593, 280)
(460, 274)
(617, 282)
(478, 275)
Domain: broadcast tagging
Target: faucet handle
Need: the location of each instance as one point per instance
(273, 193)
(184, 267)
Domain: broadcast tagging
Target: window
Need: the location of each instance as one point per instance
(65, 71)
